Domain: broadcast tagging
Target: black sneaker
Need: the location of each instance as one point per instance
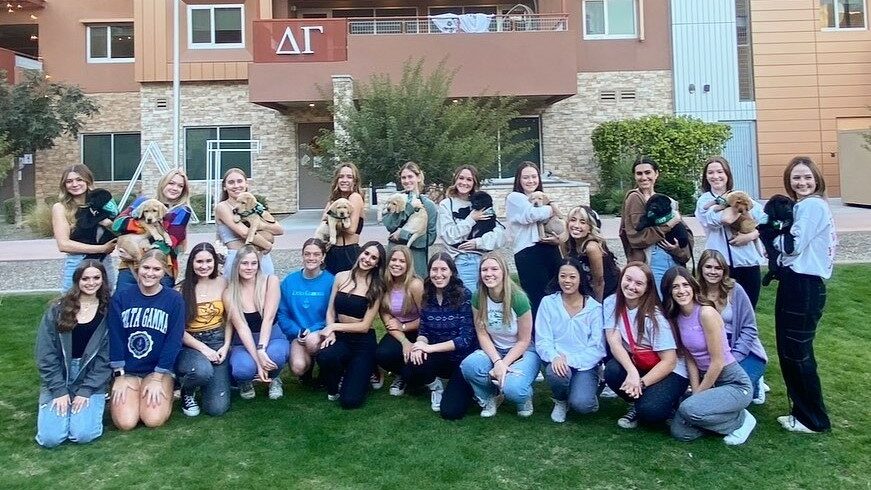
(630, 420)
(189, 405)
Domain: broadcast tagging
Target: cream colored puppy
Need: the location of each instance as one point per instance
(416, 223)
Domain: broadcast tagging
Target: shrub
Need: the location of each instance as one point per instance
(27, 204)
(38, 219)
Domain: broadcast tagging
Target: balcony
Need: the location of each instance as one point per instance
(529, 55)
(15, 64)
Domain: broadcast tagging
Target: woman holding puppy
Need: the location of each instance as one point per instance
(588, 246)
(345, 185)
(173, 191)
(456, 219)
(411, 178)
(715, 217)
(75, 183)
(260, 349)
(537, 258)
(232, 234)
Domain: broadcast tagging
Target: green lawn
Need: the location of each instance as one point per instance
(303, 441)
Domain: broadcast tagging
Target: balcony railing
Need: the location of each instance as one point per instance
(453, 24)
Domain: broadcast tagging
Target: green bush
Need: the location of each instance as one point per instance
(608, 201)
(27, 204)
(198, 203)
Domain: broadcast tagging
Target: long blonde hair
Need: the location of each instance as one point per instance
(65, 198)
(508, 287)
(575, 246)
(184, 199)
(404, 281)
(234, 286)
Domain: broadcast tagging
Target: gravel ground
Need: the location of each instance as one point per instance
(44, 275)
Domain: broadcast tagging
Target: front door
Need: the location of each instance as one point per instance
(313, 190)
(741, 152)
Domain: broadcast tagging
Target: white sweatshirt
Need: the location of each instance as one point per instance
(746, 255)
(815, 239)
(453, 231)
(523, 219)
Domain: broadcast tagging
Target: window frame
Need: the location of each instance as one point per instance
(211, 8)
(111, 135)
(249, 172)
(498, 170)
(108, 58)
(825, 28)
(587, 36)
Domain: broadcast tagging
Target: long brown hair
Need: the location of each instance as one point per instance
(724, 287)
(815, 171)
(334, 185)
(648, 304)
(235, 170)
(476, 183)
(727, 169)
(523, 165)
(70, 303)
(670, 306)
(189, 284)
(374, 280)
(65, 198)
(404, 281)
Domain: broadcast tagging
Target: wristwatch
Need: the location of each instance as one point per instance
(118, 373)
(403, 327)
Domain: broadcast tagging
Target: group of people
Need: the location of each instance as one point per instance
(679, 348)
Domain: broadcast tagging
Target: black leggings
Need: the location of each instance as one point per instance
(536, 267)
(659, 400)
(750, 278)
(350, 360)
(798, 308)
(389, 353)
(341, 258)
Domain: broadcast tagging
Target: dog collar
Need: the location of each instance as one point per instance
(663, 220)
(258, 209)
(333, 214)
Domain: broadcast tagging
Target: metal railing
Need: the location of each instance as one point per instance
(457, 24)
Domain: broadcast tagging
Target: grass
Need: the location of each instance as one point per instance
(302, 441)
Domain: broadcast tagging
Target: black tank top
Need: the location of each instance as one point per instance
(352, 305)
(254, 320)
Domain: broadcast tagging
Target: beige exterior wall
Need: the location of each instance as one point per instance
(568, 124)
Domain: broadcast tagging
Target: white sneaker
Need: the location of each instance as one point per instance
(276, 389)
(436, 389)
(246, 390)
(792, 424)
(376, 380)
(607, 392)
(760, 394)
(630, 420)
(397, 387)
(739, 436)
(526, 408)
(764, 385)
(539, 377)
(560, 410)
(490, 406)
(332, 398)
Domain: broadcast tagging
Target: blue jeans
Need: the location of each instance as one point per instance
(72, 262)
(755, 368)
(518, 385)
(266, 264)
(195, 371)
(660, 262)
(580, 388)
(468, 265)
(83, 427)
(126, 277)
(243, 366)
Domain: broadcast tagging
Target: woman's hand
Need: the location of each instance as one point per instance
(222, 353)
(498, 373)
(119, 390)
(61, 405)
(393, 325)
(667, 245)
(478, 214)
(79, 404)
(209, 354)
(265, 361)
(329, 339)
(418, 353)
(551, 240)
(632, 384)
(153, 393)
(560, 366)
(406, 350)
(743, 238)
(395, 236)
(109, 247)
(467, 245)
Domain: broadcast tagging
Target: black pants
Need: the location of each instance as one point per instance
(750, 278)
(458, 394)
(389, 353)
(797, 310)
(350, 360)
(341, 258)
(536, 267)
(658, 401)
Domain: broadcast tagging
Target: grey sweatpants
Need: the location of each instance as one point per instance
(718, 409)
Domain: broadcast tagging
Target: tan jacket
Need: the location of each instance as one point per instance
(636, 243)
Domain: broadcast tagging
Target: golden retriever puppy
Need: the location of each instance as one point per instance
(338, 216)
(130, 248)
(254, 215)
(554, 226)
(742, 204)
(150, 215)
(416, 223)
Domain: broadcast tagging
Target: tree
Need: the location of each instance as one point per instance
(415, 120)
(34, 113)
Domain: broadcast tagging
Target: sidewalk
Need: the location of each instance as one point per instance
(301, 226)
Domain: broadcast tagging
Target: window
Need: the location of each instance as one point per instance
(609, 19)
(530, 130)
(842, 14)
(113, 156)
(216, 26)
(196, 155)
(110, 44)
(745, 51)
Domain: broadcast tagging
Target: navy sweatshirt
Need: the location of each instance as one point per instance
(145, 332)
(440, 323)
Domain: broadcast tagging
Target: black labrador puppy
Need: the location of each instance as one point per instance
(88, 217)
(657, 212)
(779, 213)
(481, 201)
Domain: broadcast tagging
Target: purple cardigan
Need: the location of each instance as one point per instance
(746, 340)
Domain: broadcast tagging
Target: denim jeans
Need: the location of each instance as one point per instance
(242, 365)
(719, 409)
(83, 427)
(660, 262)
(754, 366)
(195, 371)
(125, 276)
(580, 388)
(657, 402)
(266, 264)
(518, 383)
(72, 261)
(467, 269)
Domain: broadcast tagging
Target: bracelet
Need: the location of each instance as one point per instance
(497, 360)
(261, 347)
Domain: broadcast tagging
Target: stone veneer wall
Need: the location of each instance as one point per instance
(568, 124)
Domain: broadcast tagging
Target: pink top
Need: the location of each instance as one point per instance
(397, 296)
(692, 336)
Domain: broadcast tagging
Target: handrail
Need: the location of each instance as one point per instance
(457, 24)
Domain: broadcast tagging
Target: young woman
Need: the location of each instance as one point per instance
(302, 309)
(72, 356)
(411, 178)
(570, 341)
(400, 313)
(173, 190)
(588, 246)
(721, 389)
(506, 360)
(644, 370)
(146, 325)
(537, 259)
(232, 234)
(738, 316)
(259, 350)
(75, 183)
(202, 362)
(715, 218)
(445, 338)
(649, 245)
(347, 357)
(456, 219)
(346, 184)
(801, 295)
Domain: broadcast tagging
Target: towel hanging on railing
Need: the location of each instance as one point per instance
(475, 22)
